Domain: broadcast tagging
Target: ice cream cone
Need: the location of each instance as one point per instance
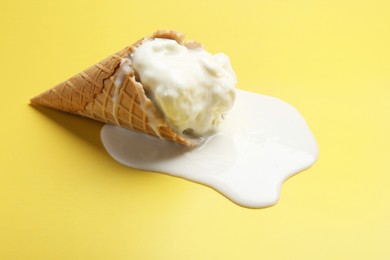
(110, 92)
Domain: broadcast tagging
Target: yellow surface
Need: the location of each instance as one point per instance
(63, 197)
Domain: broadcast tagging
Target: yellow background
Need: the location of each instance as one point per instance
(63, 197)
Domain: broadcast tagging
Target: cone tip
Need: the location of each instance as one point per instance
(34, 100)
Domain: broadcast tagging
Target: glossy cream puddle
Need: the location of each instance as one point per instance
(262, 142)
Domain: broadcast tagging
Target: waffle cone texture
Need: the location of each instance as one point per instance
(103, 93)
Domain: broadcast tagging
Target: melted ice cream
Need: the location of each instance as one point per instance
(193, 88)
(262, 142)
(124, 71)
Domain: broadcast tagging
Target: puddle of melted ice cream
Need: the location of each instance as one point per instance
(262, 142)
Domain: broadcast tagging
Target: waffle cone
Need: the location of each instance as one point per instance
(102, 92)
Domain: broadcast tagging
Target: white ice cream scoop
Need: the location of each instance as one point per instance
(193, 88)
